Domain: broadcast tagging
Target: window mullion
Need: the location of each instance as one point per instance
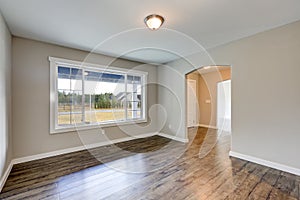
(64, 92)
(83, 97)
(71, 96)
(56, 96)
(125, 107)
(142, 97)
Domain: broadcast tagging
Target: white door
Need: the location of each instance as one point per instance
(191, 103)
(224, 106)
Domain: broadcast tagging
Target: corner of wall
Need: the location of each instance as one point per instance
(5, 102)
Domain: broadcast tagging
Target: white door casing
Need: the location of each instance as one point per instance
(224, 105)
(191, 103)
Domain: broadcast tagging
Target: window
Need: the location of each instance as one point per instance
(87, 95)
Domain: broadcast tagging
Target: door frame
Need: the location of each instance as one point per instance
(194, 82)
(217, 121)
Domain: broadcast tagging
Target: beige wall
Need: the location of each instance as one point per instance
(265, 92)
(31, 96)
(225, 74)
(208, 91)
(5, 98)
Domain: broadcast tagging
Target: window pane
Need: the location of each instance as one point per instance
(76, 108)
(64, 107)
(69, 93)
(134, 97)
(104, 97)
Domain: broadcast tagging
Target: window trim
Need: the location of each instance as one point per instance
(55, 62)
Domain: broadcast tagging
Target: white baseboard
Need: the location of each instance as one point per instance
(174, 137)
(207, 126)
(100, 144)
(80, 148)
(46, 155)
(90, 146)
(5, 175)
(267, 163)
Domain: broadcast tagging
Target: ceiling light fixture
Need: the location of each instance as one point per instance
(154, 21)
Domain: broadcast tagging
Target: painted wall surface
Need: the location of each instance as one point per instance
(6, 152)
(171, 98)
(265, 92)
(31, 99)
(225, 74)
(208, 91)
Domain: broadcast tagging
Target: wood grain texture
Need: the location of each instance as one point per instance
(150, 168)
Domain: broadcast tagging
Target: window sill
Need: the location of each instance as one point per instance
(95, 126)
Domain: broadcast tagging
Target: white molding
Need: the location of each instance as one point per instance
(267, 163)
(56, 62)
(89, 146)
(96, 126)
(79, 148)
(5, 175)
(207, 126)
(172, 137)
(81, 64)
(95, 145)
(46, 155)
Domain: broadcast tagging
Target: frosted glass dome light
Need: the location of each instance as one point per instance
(154, 21)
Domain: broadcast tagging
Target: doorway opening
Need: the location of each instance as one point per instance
(213, 106)
(208, 98)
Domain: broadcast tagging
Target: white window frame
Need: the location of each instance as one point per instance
(55, 62)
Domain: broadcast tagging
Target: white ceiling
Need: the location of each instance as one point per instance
(117, 28)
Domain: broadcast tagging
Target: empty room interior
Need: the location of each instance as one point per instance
(149, 100)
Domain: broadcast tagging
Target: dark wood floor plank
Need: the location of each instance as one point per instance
(151, 168)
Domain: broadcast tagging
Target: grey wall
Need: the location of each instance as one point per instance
(171, 97)
(31, 96)
(5, 97)
(265, 92)
(172, 92)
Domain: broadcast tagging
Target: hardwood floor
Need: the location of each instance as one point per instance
(151, 168)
